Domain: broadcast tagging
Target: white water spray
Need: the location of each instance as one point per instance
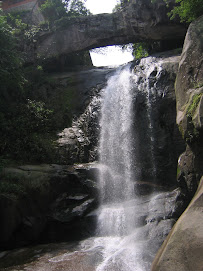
(116, 141)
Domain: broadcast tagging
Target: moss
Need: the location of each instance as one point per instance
(63, 23)
(198, 85)
(12, 189)
(18, 184)
(180, 127)
(178, 171)
(193, 106)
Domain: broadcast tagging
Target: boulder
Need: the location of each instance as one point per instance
(189, 92)
(183, 248)
(46, 203)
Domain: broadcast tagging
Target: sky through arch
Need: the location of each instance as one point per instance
(111, 55)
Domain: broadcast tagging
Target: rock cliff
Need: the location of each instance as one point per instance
(184, 246)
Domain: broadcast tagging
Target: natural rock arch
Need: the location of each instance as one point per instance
(140, 21)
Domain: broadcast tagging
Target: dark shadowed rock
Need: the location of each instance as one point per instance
(154, 105)
(53, 204)
(154, 218)
(183, 248)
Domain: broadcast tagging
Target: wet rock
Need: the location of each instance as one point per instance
(154, 218)
(157, 147)
(78, 143)
(183, 247)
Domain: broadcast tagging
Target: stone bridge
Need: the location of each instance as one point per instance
(139, 21)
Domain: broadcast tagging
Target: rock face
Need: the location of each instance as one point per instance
(78, 143)
(183, 248)
(189, 90)
(141, 20)
(51, 203)
(154, 105)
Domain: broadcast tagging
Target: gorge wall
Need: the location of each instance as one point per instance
(183, 248)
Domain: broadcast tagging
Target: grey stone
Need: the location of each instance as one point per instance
(183, 248)
(53, 205)
(141, 20)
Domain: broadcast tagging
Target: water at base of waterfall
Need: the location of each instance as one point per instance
(127, 252)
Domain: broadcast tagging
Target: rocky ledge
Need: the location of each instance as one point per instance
(41, 203)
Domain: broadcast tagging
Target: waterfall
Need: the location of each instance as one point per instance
(127, 223)
(116, 154)
(133, 218)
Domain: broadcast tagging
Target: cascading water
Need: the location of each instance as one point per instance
(116, 174)
(149, 75)
(130, 226)
(124, 225)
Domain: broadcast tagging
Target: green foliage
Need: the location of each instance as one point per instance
(9, 187)
(77, 8)
(40, 115)
(178, 171)
(187, 10)
(33, 107)
(55, 10)
(14, 19)
(143, 49)
(11, 78)
(198, 85)
(26, 132)
(15, 184)
(31, 33)
(140, 50)
(193, 106)
(121, 4)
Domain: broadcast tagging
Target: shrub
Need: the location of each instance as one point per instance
(187, 10)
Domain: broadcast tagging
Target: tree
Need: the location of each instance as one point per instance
(187, 10)
(56, 9)
(121, 4)
(10, 62)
